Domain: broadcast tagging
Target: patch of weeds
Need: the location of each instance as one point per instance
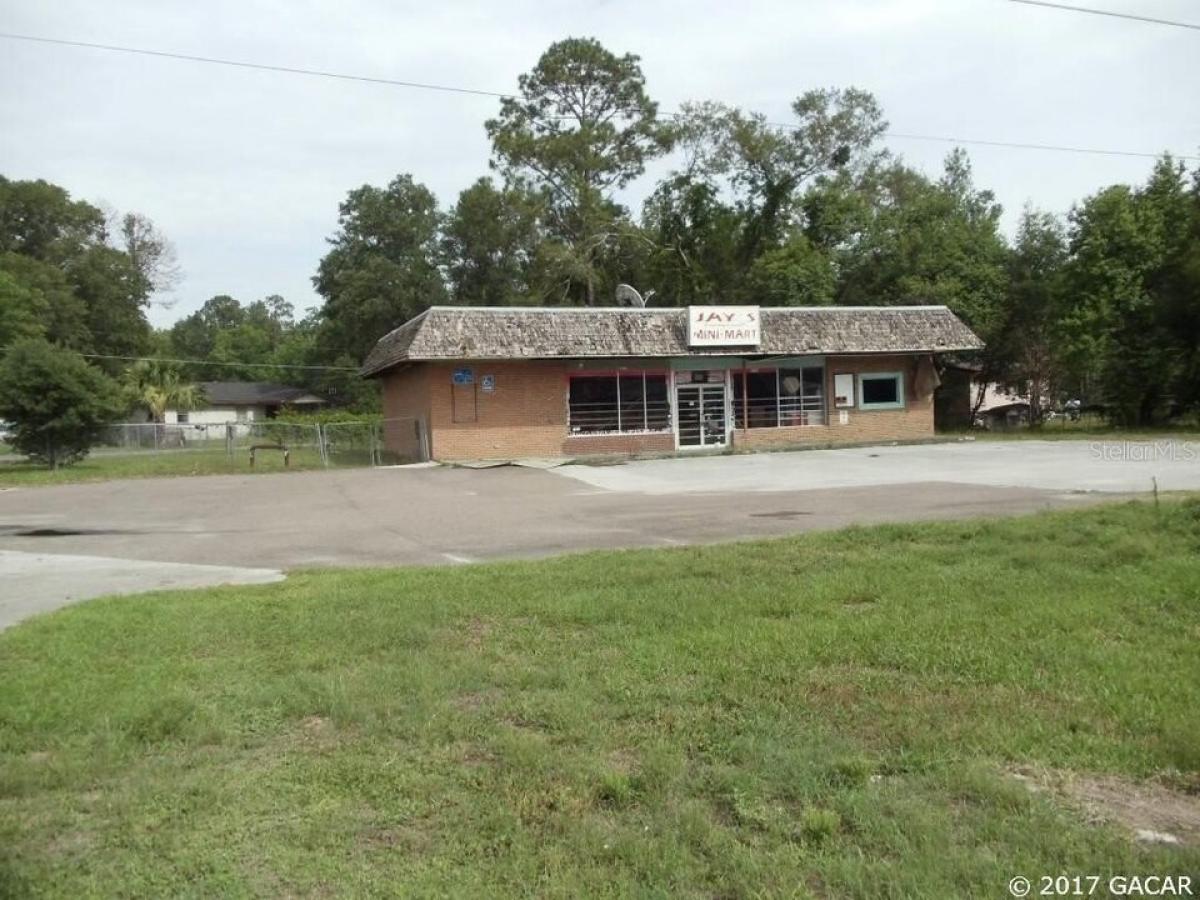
(752, 812)
(615, 791)
(170, 718)
(818, 824)
(1187, 514)
(659, 769)
(851, 771)
(860, 600)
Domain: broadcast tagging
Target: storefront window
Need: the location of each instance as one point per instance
(881, 390)
(772, 398)
(619, 404)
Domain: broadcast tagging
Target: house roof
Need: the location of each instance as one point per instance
(472, 332)
(256, 393)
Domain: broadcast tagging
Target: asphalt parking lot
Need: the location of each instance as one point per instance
(253, 527)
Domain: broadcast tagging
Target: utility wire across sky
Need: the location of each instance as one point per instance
(1105, 12)
(428, 86)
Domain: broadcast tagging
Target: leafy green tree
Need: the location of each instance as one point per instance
(195, 336)
(22, 310)
(766, 165)
(382, 267)
(581, 128)
(795, 274)
(489, 244)
(1024, 350)
(56, 403)
(89, 294)
(225, 331)
(929, 242)
(115, 295)
(41, 292)
(694, 239)
(41, 221)
(1123, 241)
(1179, 284)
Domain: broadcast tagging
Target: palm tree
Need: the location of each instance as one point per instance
(158, 386)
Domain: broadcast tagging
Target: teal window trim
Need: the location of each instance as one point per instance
(880, 376)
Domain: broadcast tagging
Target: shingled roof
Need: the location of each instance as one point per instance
(256, 393)
(473, 332)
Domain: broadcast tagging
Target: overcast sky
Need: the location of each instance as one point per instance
(244, 170)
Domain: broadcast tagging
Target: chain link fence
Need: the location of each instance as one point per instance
(388, 442)
(130, 437)
(368, 442)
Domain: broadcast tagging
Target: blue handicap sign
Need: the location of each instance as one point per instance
(487, 383)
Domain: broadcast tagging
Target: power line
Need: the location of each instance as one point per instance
(1024, 146)
(429, 86)
(241, 64)
(204, 362)
(982, 142)
(1106, 12)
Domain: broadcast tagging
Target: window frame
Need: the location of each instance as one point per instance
(864, 377)
(779, 413)
(616, 375)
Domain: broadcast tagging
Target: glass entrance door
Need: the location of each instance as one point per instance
(700, 412)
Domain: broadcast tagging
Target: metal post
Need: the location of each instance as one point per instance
(645, 405)
(745, 399)
(618, 401)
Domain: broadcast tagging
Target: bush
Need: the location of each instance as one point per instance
(55, 402)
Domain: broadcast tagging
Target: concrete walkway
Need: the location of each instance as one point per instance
(40, 582)
(1065, 465)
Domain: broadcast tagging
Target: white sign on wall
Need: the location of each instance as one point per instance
(723, 326)
(843, 390)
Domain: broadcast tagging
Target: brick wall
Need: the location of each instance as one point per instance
(526, 414)
(600, 444)
(913, 422)
(405, 398)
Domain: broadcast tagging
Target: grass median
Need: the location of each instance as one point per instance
(835, 715)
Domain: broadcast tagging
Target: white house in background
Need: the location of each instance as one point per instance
(243, 401)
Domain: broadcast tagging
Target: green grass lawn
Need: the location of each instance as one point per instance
(1053, 433)
(106, 465)
(831, 715)
(1087, 428)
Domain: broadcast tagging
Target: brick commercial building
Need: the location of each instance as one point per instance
(507, 383)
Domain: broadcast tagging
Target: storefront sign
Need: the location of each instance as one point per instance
(463, 376)
(723, 326)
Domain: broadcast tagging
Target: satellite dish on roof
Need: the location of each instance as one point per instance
(627, 295)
